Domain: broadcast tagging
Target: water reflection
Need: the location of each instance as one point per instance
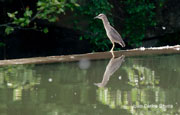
(112, 67)
(147, 89)
(18, 78)
(150, 85)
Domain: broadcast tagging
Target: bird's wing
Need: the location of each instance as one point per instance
(115, 35)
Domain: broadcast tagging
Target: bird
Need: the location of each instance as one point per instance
(112, 34)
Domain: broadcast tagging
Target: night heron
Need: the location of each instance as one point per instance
(112, 34)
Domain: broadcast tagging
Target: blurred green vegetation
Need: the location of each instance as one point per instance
(141, 15)
(45, 10)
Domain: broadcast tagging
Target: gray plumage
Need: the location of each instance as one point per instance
(112, 34)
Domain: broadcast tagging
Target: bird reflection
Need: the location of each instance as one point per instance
(112, 67)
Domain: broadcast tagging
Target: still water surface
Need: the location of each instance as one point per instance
(143, 85)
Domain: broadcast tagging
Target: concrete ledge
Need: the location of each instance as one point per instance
(93, 56)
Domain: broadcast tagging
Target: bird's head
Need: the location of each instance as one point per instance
(100, 16)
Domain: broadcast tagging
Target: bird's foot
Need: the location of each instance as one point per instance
(111, 51)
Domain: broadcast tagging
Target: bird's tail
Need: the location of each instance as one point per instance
(122, 44)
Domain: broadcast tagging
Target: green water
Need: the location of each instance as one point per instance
(131, 85)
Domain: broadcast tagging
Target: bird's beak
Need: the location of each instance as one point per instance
(96, 17)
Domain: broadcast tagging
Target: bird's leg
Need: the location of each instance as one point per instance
(112, 47)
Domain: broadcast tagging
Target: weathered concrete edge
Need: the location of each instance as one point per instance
(93, 56)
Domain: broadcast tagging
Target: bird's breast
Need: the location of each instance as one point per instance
(108, 34)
